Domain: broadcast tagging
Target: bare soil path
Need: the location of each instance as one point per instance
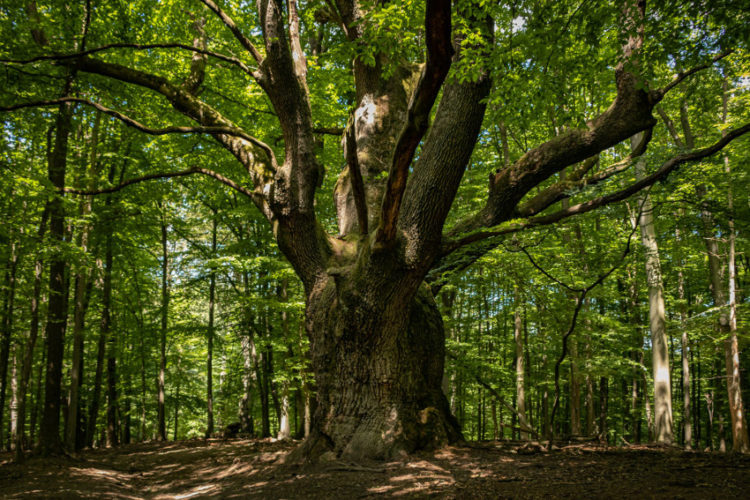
(256, 469)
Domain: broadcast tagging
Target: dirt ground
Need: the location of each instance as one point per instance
(256, 469)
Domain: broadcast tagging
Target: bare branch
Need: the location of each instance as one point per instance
(439, 55)
(134, 46)
(574, 319)
(164, 175)
(232, 131)
(338, 131)
(679, 77)
(244, 41)
(670, 127)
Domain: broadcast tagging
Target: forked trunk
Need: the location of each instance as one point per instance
(378, 368)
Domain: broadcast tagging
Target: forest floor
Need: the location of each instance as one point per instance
(255, 469)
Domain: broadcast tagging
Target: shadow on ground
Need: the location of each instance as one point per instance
(255, 469)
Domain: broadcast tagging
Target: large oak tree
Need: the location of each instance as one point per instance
(376, 335)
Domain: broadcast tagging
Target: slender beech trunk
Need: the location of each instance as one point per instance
(210, 334)
(262, 374)
(687, 423)
(575, 388)
(696, 393)
(7, 327)
(28, 357)
(518, 338)
(112, 400)
(14, 398)
(111, 340)
(142, 423)
(100, 352)
(603, 408)
(285, 430)
(246, 417)
(657, 317)
(38, 397)
(305, 389)
(740, 439)
(178, 379)
(161, 422)
(81, 285)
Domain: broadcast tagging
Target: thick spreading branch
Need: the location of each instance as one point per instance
(576, 179)
(629, 114)
(252, 155)
(666, 168)
(439, 55)
(135, 46)
(231, 131)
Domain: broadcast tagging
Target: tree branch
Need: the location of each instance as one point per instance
(298, 56)
(439, 55)
(229, 23)
(165, 175)
(679, 77)
(561, 190)
(197, 73)
(134, 46)
(574, 319)
(670, 127)
(337, 131)
(355, 175)
(558, 190)
(232, 131)
(486, 240)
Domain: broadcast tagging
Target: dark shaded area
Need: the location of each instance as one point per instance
(218, 468)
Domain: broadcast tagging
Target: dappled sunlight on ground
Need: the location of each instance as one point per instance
(256, 469)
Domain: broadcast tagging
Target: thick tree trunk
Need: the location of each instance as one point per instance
(49, 439)
(378, 372)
